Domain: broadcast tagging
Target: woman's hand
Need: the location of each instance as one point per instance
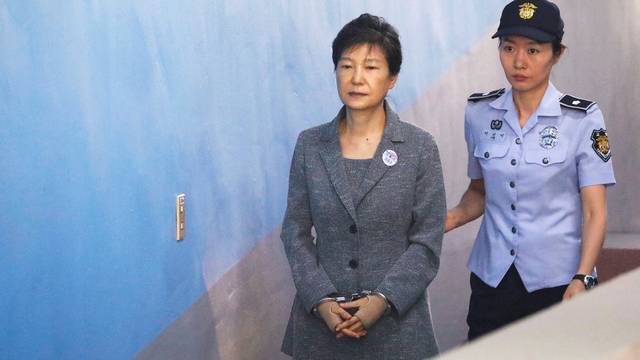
(333, 315)
(450, 222)
(471, 206)
(370, 309)
(575, 287)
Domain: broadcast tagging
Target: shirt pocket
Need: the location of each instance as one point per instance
(489, 151)
(546, 158)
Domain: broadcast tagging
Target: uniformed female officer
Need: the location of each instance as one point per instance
(371, 187)
(539, 163)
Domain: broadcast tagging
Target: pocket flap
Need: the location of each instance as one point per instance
(490, 151)
(546, 157)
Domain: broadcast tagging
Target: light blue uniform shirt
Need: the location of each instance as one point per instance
(532, 178)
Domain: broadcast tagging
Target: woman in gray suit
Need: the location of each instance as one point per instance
(371, 187)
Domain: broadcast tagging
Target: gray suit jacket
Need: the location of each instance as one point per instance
(386, 237)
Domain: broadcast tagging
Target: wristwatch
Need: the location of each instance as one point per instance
(589, 281)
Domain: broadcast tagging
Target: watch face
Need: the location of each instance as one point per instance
(590, 281)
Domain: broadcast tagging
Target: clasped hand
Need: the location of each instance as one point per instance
(340, 321)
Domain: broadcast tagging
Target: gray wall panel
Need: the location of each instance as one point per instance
(602, 63)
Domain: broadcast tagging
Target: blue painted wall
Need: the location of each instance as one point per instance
(109, 109)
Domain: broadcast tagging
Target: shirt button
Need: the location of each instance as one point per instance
(545, 161)
(514, 230)
(513, 207)
(353, 263)
(512, 252)
(486, 155)
(353, 229)
(513, 162)
(512, 184)
(518, 141)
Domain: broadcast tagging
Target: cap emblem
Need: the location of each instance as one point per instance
(527, 10)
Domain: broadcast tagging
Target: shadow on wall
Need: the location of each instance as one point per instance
(243, 316)
(193, 336)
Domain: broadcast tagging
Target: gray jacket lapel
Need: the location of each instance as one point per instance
(391, 136)
(332, 158)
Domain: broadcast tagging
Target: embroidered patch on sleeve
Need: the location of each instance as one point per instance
(600, 144)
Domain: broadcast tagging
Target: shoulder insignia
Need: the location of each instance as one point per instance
(600, 144)
(573, 102)
(488, 95)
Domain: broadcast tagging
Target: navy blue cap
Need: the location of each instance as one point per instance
(535, 19)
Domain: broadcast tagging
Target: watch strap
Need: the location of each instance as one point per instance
(579, 277)
(585, 280)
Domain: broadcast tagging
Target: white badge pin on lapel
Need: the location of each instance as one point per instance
(389, 157)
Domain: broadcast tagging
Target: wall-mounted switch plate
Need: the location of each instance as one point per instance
(180, 227)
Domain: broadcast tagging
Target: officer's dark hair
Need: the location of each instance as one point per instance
(556, 45)
(372, 30)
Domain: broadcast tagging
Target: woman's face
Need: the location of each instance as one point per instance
(527, 64)
(363, 78)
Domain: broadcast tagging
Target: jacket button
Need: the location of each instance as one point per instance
(486, 155)
(545, 161)
(353, 229)
(518, 141)
(512, 184)
(513, 162)
(514, 230)
(513, 207)
(353, 263)
(512, 252)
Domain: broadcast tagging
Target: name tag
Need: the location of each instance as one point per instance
(494, 136)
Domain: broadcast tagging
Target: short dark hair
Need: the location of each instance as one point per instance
(372, 30)
(557, 46)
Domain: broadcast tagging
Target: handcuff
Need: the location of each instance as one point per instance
(349, 297)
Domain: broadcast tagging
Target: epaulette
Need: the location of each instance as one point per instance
(576, 103)
(489, 95)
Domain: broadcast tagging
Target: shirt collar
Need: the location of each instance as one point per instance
(549, 106)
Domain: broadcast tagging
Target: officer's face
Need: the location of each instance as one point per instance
(363, 78)
(527, 64)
